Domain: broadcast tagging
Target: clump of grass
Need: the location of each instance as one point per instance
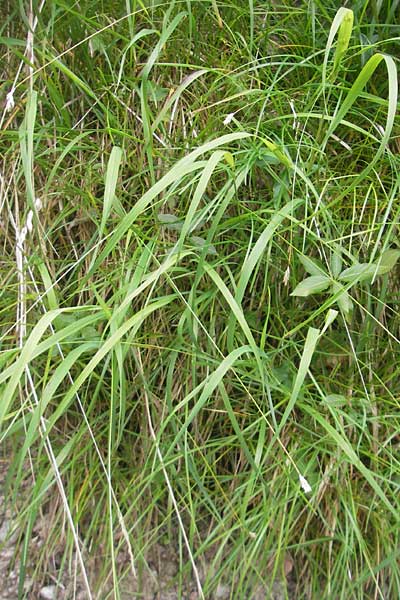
(200, 312)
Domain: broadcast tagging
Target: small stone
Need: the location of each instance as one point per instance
(222, 592)
(4, 530)
(7, 553)
(48, 592)
(28, 584)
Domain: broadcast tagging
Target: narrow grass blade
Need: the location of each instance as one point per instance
(342, 23)
(255, 256)
(346, 447)
(356, 89)
(110, 185)
(183, 167)
(213, 381)
(201, 187)
(26, 132)
(23, 360)
(133, 323)
(238, 313)
(165, 35)
(171, 100)
(308, 351)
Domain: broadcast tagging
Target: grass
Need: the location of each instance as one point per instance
(171, 174)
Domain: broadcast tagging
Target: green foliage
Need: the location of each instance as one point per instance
(320, 281)
(168, 371)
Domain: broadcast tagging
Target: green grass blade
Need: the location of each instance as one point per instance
(308, 351)
(110, 185)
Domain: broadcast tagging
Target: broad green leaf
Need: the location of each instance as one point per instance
(312, 285)
(170, 222)
(329, 319)
(367, 271)
(358, 272)
(344, 301)
(337, 400)
(311, 265)
(202, 243)
(387, 261)
(229, 159)
(336, 262)
(167, 219)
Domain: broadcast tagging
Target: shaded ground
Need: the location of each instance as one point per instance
(158, 582)
(8, 575)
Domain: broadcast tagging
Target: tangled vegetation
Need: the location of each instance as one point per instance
(200, 299)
